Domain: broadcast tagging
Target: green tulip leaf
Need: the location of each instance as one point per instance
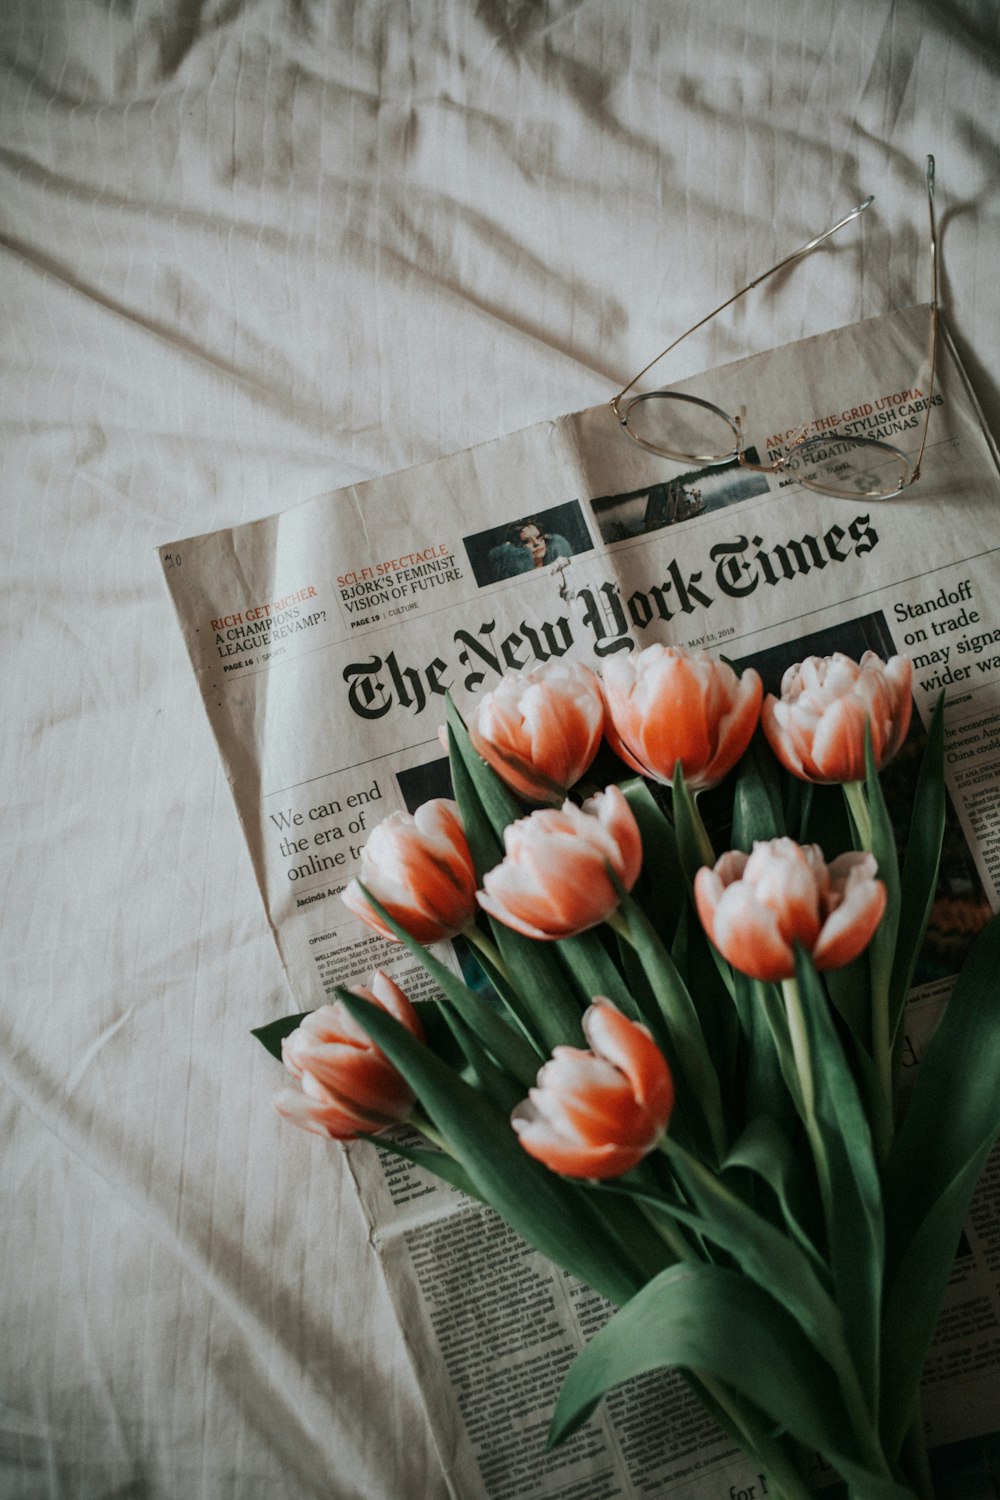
(913, 1300)
(765, 1150)
(851, 992)
(522, 1013)
(766, 1081)
(497, 800)
(801, 794)
(922, 858)
(594, 970)
(494, 1082)
(485, 844)
(539, 978)
(948, 1131)
(708, 1320)
(687, 1040)
(691, 845)
(273, 1034)
(770, 1010)
(718, 1016)
(855, 1224)
(772, 1260)
(757, 803)
(661, 886)
(641, 1003)
(439, 1163)
(882, 948)
(511, 1049)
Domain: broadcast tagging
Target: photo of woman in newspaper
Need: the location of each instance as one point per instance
(528, 544)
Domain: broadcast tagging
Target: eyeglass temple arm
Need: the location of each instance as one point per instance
(934, 317)
(803, 250)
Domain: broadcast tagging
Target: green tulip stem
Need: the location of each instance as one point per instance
(857, 806)
(618, 922)
(420, 1122)
(804, 1072)
(786, 1483)
(715, 1191)
(881, 1032)
(668, 1230)
(477, 939)
(744, 1424)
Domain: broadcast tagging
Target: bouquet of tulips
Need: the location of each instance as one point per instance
(675, 1072)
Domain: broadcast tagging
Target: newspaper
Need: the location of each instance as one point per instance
(324, 640)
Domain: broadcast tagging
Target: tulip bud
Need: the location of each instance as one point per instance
(757, 907)
(668, 707)
(540, 730)
(418, 866)
(347, 1084)
(596, 1114)
(553, 881)
(817, 727)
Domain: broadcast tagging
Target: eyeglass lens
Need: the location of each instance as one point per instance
(848, 466)
(690, 429)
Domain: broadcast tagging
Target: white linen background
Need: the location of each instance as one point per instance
(251, 251)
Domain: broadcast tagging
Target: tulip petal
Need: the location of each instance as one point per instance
(817, 727)
(540, 730)
(748, 935)
(784, 742)
(785, 881)
(837, 752)
(602, 1109)
(860, 902)
(387, 993)
(756, 909)
(596, 1114)
(420, 869)
(734, 730)
(359, 1077)
(569, 1158)
(667, 706)
(629, 1046)
(323, 1117)
(346, 1084)
(553, 881)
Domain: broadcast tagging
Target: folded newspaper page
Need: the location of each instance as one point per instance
(324, 640)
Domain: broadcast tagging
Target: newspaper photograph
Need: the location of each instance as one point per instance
(324, 640)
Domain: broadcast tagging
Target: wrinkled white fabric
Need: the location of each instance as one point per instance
(251, 250)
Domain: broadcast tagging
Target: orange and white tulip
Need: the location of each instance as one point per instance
(419, 867)
(756, 907)
(596, 1114)
(346, 1084)
(667, 706)
(540, 730)
(553, 881)
(816, 727)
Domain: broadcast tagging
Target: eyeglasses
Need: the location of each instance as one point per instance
(691, 430)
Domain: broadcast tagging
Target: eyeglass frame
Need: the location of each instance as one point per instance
(911, 474)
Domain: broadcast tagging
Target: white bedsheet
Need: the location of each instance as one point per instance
(252, 250)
